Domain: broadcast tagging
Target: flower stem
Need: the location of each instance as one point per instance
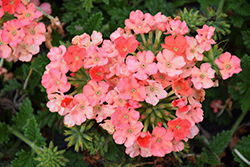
(237, 123)
(45, 14)
(27, 79)
(241, 157)
(144, 40)
(1, 62)
(24, 139)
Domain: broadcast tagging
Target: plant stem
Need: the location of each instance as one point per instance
(241, 157)
(27, 79)
(1, 62)
(45, 14)
(237, 123)
(220, 7)
(24, 139)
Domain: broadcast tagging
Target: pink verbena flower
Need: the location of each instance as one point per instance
(85, 41)
(176, 44)
(160, 22)
(176, 27)
(204, 37)
(194, 51)
(95, 57)
(5, 50)
(130, 89)
(216, 105)
(34, 33)
(27, 14)
(126, 46)
(136, 150)
(81, 110)
(161, 142)
(228, 65)
(95, 92)
(139, 22)
(169, 63)
(143, 139)
(68, 121)
(180, 128)
(10, 6)
(12, 32)
(108, 126)
(142, 65)
(154, 92)
(125, 32)
(202, 78)
(182, 86)
(54, 80)
(24, 52)
(127, 135)
(123, 117)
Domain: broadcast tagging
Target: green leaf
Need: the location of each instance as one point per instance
(237, 20)
(13, 84)
(106, 2)
(245, 102)
(159, 6)
(45, 118)
(243, 9)
(209, 157)
(243, 147)
(39, 63)
(75, 159)
(25, 113)
(88, 5)
(32, 132)
(76, 28)
(235, 93)
(4, 133)
(220, 141)
(93, 23)
(246, 38)
(24, 159)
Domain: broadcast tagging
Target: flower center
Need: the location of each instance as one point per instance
(96, 59)
(178, 127)
(11, 2)
(152, 88)
(32, 32)
(82, 107)
(130, 130)
(133, 90)
(13, 32)
(125, 116)
(168, 64)
(27, 15)
(98, 93)
(76, 58)
(175, 49)
(202, 76)
(57, 82)
(143, 65)
(158, 140)
(228, 66)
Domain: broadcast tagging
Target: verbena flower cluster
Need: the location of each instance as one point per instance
(22, 34)
(145, 92)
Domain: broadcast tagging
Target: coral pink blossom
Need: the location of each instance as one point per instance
(136, 150)
(127, 135)
(54, 103)
(46, 7)
(5, 50)
(74, 57)
(142, 65)
(154, 92)
(126, 33)
(54, 80)
(13, 32)
(108, 126)
(180, 128)
(81, 110)
(177, 45)
(160, 21)
(114, 99)
(34, 33)
(97, 73)
(24, 52)
(95, 92)
(216, 105)
(130, 89)
(125, 46)
(182, 86)
(163, 79)
(68, 121)
(10, 6)
(102, 111)
(228, 65)
(122, 117)
(204, 37)
(143, 139)
(169, 63)
(202, 78)
(176, 27)
(109, 47)
(194, 51)
(95, 57)
(85, 41)
(139, 22)
(161, 142)
(177, 145)
(27, 14)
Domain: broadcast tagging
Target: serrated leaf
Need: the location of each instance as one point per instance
(75, 159)
(209, 157)
(88, 5)
(237, 20)
(24, 114)
(246, 38)
(24, 159)
(235, 93)
(12, 84)
(243, 147)
(4, 133)
(45, 118)
(39, 64)
(76, 28)
(32, 132)
(245, 102)
(220, 141)
(93, 23)
(244, 9)
(245, 73)
(159, 6)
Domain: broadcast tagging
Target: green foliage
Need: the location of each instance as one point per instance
(216, 147)
(78, 136)
(39, 63)
(98, 143)
(237, 20)
(24, 159)
(45, 118)
(51, 157)
(246, 38)
(26, 111)
(87, 4)
(159, 6)
(4, 133)
(93, 23)
(243, 147)
(12, 84)
(75, 159)
(32, 132)
(243, 95)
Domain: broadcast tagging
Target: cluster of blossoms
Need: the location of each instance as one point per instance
(20, 37)
(145, 92)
